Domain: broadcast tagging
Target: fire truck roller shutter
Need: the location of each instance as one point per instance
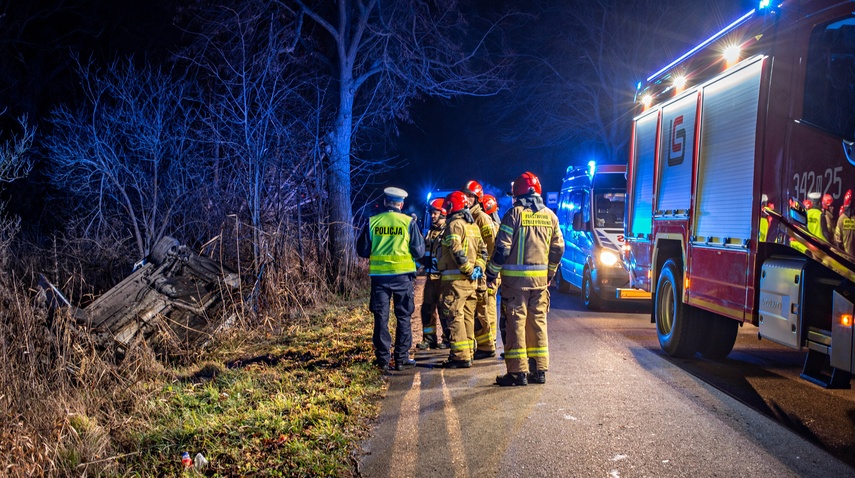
(726, 158)
(676, 156)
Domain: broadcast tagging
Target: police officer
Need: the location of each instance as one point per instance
(814, 215)
(461, 264)
(430, 296)
(392, 243)
(484, 315)
(529, 247)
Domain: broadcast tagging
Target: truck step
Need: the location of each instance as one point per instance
(818, 371)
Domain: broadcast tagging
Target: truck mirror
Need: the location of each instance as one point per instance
(578, 223)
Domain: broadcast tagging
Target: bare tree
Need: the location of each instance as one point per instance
(243, 55)
(381, 55)
(127, 155)
(578, 78)
(14, 164)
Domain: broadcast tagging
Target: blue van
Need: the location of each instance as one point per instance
(591, 214)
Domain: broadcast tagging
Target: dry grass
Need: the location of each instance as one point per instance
(285, 393)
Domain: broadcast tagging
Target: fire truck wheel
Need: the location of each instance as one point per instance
(589, 295)
(563, 285)
(676, 325)
(720, 336)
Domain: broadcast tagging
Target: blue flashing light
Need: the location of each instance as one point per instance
(429, 196)
(706, 42)
(638, 86)
(764, 4)
(592, 166)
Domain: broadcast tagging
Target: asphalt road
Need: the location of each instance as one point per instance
(614, 406)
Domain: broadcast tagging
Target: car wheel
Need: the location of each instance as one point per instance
(589, 295)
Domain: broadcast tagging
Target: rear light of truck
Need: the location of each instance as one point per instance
(846, 320)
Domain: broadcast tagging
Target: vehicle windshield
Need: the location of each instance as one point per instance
(830, 78)
(608, 209)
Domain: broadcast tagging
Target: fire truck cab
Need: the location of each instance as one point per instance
(728, 142)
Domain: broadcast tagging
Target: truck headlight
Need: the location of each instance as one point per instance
(608, 258)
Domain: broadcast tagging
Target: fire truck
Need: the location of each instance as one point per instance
(727, 143)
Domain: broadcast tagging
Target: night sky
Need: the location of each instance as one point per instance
(447, 142)
(450, 142)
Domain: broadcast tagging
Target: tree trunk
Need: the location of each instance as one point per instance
(341, 242)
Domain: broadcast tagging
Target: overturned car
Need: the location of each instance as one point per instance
(174, 301)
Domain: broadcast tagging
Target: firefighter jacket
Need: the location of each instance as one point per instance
(462, 247)
(392, 243)
(844, 232)
(433, 245)
(827, 224)
(485, 225)
(529, 245)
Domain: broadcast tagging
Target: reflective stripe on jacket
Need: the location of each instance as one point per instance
(462, 249)
(390, 244)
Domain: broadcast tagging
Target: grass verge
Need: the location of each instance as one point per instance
(291, 403)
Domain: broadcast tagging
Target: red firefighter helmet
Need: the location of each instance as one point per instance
(527, 183)
(827, 201)
(455, 202)
(808, 204)
(438, 204)
(473, 188)
(847, 198)
(490, 204)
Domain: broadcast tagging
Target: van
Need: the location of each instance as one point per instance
(591, 214)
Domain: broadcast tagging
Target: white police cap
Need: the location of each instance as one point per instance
(395, 194)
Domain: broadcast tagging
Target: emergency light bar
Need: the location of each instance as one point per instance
(706, 42)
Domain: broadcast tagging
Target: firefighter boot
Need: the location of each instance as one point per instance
(426, 344)
(538, 376)
(512, 380)
(482, 354)
(452, 363)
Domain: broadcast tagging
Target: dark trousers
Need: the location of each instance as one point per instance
(398, 289)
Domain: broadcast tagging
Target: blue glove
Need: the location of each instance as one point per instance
(477, 273)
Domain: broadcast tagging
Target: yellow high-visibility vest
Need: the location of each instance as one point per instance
(390, 244)
(814, 222)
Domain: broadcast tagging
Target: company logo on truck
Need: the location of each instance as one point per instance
(678, 142)
(771, 304)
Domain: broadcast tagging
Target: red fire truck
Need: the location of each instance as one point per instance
(728, 142)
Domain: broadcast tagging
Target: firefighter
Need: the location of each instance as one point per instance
(491, 207)
(529, 247)
(430, 296)
(485, 307)
(461, 263)
(827, 222)
(844, 231)
(392, 242)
